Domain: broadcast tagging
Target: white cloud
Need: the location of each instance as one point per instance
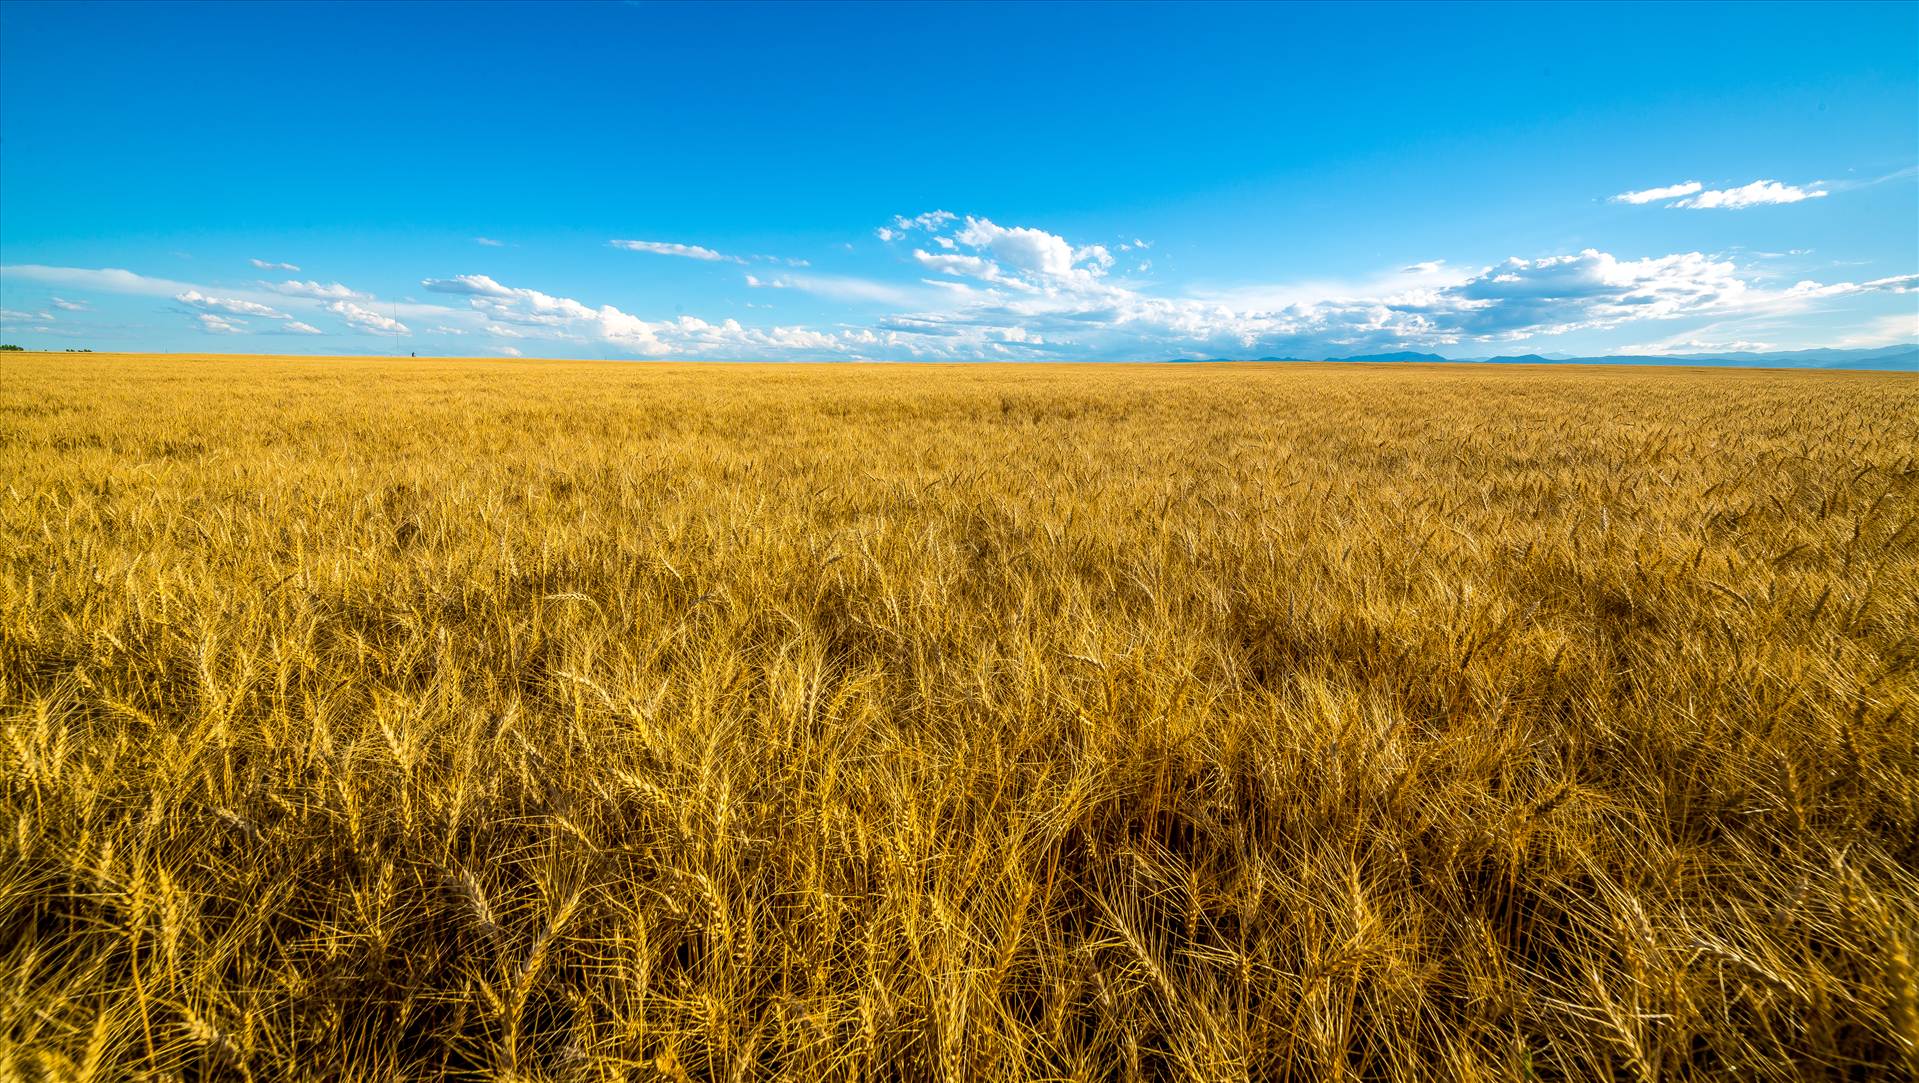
(1895, 284)
(331, 291)
(227, 304)
(1759, 193)
(955, 264)
(513, 311)
(105, 279)
(1039, 283)
(1697, 196)
(367, 320)
(506, 351)
(268, 265)
(476, 285)
(1096, 255)
(1890, 330)
(1024, 248)
(489, 242)
(69, 306)
(669, 248)
(300, 296)
(841, 288)
(1653, 195)
(299, 328)
(220, 325)
(930, 221)
(983, 290)
(25, 317)
(1678, 345)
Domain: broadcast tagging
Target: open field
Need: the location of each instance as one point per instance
(499, 720)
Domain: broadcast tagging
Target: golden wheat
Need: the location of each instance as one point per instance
(433, 720)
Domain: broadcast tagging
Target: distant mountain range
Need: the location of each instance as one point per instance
(1900, 358)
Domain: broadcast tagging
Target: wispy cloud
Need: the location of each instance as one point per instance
(842, 288)
(103, 279)
(234, 305)
(1696, 196)
(669, 248)
(220, 325)
(489, 242)
(472, 285)
(301, 297)
(1653, 195)
(330, 291)
(1760, 193)
(366, 320)
(68, 306)
(268, 265)
(531, 313)
(1884, 331)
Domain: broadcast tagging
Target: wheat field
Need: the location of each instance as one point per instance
(433, 720)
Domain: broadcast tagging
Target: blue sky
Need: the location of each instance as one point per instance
(964, 182)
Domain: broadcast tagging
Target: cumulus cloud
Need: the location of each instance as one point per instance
(268, 265)
(669, 248)
(1654, 195)
(299, 328)
(234, 305)
(1759, 193)
(982, 289)
(220, 325)
(367, 320)
(1003, 279)
(1022, 247)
